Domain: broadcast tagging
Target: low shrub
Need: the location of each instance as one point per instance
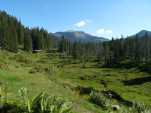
(99, 99)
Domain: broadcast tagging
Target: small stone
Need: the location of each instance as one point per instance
(115, 107)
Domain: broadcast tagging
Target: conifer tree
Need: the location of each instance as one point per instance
(27, 42)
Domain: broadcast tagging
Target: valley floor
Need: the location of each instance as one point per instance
(48, 72)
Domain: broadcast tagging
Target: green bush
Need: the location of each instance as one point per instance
(99, 99)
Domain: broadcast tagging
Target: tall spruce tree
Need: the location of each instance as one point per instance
(28, 41)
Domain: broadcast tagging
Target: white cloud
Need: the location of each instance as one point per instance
(104, 31)
(82, 23)
(100, 31)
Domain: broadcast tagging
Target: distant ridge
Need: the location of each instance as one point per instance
(74, 36)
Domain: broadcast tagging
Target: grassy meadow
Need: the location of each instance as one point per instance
(58, 76)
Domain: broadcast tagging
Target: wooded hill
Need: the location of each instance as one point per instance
(133, 51)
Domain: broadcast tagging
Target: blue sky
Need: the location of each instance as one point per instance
(99, 17)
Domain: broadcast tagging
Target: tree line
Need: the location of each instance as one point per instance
(124, 52)
(133, 51)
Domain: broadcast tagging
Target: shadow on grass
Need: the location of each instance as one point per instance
(10, 108)
(137, 81)
(84, 90)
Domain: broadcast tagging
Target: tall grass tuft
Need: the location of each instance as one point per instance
(43, 103)
(3, 94)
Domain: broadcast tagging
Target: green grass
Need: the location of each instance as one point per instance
(43, 72)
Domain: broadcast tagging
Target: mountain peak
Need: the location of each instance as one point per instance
(142, 33)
